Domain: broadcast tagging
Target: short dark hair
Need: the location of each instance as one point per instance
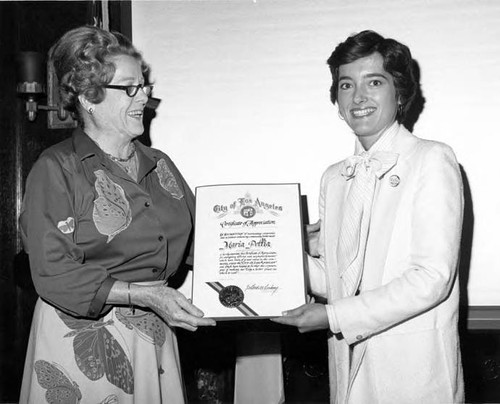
(398, 62)
(83, 65)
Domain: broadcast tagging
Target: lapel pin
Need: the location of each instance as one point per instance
(394, 180)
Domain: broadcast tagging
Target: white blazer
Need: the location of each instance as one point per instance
(402, 327)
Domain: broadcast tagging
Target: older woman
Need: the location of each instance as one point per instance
(391, 218)
(106, 221)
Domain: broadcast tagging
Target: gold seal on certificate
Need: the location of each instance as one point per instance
(248, 260)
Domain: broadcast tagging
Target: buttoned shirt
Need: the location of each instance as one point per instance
(85, 223)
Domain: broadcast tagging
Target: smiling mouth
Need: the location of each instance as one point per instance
(136, 114)
(360, 113)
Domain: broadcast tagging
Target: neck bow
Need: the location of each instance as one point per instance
(378, 162)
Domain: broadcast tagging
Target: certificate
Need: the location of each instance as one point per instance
(248, 250)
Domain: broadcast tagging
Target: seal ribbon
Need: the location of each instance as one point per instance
(232, 296)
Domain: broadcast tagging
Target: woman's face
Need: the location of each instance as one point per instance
(118, 113)
(367, 98)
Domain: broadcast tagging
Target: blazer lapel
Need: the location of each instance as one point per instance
(334, 197)
(358, 352)
(335, 191)
(390, 189)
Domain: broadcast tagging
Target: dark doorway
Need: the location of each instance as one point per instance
(28, 26)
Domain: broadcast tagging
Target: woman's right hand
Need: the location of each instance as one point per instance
(169, 304)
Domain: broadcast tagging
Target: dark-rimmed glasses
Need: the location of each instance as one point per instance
(132, 89)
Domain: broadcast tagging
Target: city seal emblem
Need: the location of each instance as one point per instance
(231, 296)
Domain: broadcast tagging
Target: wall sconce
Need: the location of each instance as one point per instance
(31, 87)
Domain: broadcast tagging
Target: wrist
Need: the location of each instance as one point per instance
(129, 295)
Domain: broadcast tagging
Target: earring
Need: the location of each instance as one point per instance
(91, 110)
(340, 115)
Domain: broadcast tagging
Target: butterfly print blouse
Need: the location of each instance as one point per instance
(85, 223)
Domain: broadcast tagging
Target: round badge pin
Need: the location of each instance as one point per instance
(231, 296)
(394, 180)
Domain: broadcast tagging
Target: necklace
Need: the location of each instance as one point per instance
(126, 159)
(129, 166)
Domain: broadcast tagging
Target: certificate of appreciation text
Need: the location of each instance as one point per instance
(248, 259)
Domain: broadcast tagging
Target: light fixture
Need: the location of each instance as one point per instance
(31, 87)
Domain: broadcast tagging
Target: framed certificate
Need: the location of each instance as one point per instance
(249, 255)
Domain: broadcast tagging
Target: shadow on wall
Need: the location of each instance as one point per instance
(465, 250)
(149, 115)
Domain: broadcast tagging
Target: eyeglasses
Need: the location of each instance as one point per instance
(132, 89)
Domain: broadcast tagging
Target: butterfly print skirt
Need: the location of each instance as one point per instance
(121, 358)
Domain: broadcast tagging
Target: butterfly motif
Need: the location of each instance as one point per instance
(167, 179)
(60, 388)
(148, 325)
(111, 399)
(112, 213)
(97, 352)
(67, 226)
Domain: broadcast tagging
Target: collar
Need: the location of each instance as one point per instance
(384, 143)
(86, 148)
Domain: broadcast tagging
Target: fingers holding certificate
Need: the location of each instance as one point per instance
(249, 260)
(308, 317)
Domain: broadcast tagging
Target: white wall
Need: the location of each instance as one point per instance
(244, 89)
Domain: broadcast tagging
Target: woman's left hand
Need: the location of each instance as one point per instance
(312, 238)
(308, 317)
(172, 306)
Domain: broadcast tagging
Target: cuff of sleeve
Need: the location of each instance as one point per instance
(97, 306)
(332, 318)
